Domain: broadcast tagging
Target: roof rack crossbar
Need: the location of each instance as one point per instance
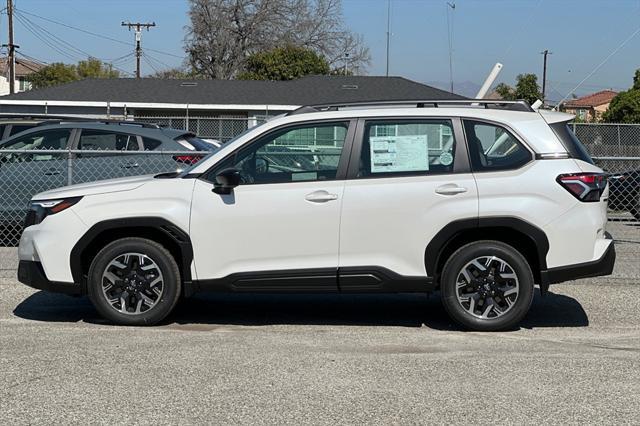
(519, 105)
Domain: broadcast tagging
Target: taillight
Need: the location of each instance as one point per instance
(187, 159)
(586, 187)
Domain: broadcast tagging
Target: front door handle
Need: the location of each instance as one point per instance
(52, 172)
(130, 165)
(321, 196)
(450, 189)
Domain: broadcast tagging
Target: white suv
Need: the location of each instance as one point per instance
(480, 200)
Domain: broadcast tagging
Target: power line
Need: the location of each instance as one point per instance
(70, 51)
(601, 64)
(146, 59)
(55, 37)
(115, 40)
(45, 40)
(156, 59)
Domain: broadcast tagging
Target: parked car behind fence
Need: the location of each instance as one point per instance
(52, 155)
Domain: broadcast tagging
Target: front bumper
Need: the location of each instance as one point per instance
(596, 268)
(31, 273)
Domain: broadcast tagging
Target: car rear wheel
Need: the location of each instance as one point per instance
(134, 281)
(487, 286)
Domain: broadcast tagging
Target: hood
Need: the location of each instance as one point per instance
(93, 188)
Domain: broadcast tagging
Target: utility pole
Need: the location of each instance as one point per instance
(137, 27)
(544, 74)
(11, 57)
(388, 32)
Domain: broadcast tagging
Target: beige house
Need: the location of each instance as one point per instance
(591, 107)
(24, 68)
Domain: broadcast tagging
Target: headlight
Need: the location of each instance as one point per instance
(39, 209)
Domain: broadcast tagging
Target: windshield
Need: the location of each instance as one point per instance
(214, 149)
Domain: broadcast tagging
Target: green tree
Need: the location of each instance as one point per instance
(95, 68)
(526, 88)
(506, 92)
(625, 107)
(284, 63)
(59, 73)
(53, 74)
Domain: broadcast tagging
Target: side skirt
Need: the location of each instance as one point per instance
(367, 279)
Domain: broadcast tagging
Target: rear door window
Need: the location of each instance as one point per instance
(107, 141)
(407, 147)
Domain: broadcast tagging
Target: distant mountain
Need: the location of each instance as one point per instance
(468, 89)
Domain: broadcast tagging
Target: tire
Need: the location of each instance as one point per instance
(500, 296)
(134, 281)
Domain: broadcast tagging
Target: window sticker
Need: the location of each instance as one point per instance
(446, 158)
(399, 153)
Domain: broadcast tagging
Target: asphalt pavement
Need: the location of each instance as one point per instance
(383, 359)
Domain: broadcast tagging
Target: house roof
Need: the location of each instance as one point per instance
(592, 100)
(23, 66)
(304, 91)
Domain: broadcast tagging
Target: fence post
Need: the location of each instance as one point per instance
(619, 142)
(69, 167)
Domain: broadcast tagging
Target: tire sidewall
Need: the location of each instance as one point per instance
(466, 254)
(155, 252)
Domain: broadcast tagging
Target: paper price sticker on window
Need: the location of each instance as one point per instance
(399, 153)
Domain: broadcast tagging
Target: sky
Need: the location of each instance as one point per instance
(581, 34)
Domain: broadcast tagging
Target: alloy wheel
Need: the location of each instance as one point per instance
(487, 287)
(132, 283)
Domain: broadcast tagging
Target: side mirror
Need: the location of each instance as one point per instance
(226, 180)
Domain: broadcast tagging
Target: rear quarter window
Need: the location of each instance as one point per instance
(571, 143)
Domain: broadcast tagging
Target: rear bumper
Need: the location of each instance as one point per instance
(31, 273)
(596, 268)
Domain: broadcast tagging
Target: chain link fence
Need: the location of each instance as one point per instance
(218, 128)
(25, 173)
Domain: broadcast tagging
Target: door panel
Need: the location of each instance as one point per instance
(389, 222)
(280, 227)
(412, 179)
(264, 228)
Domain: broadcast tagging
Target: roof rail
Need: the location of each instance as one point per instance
(112, 122)
(519, 105)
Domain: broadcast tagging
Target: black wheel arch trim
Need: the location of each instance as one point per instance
(446, 235)
(169, 229)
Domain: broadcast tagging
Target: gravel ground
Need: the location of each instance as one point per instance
(325, 359)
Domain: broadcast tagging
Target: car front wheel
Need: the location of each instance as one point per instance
(134, 281)
(487, 286)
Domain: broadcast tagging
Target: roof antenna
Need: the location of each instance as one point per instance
(489, 81)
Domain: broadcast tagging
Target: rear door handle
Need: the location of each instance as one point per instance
(130, 165)
(52, 172)
(321, 196)
(450, 189)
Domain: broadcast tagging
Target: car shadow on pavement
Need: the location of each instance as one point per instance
(402, 310)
